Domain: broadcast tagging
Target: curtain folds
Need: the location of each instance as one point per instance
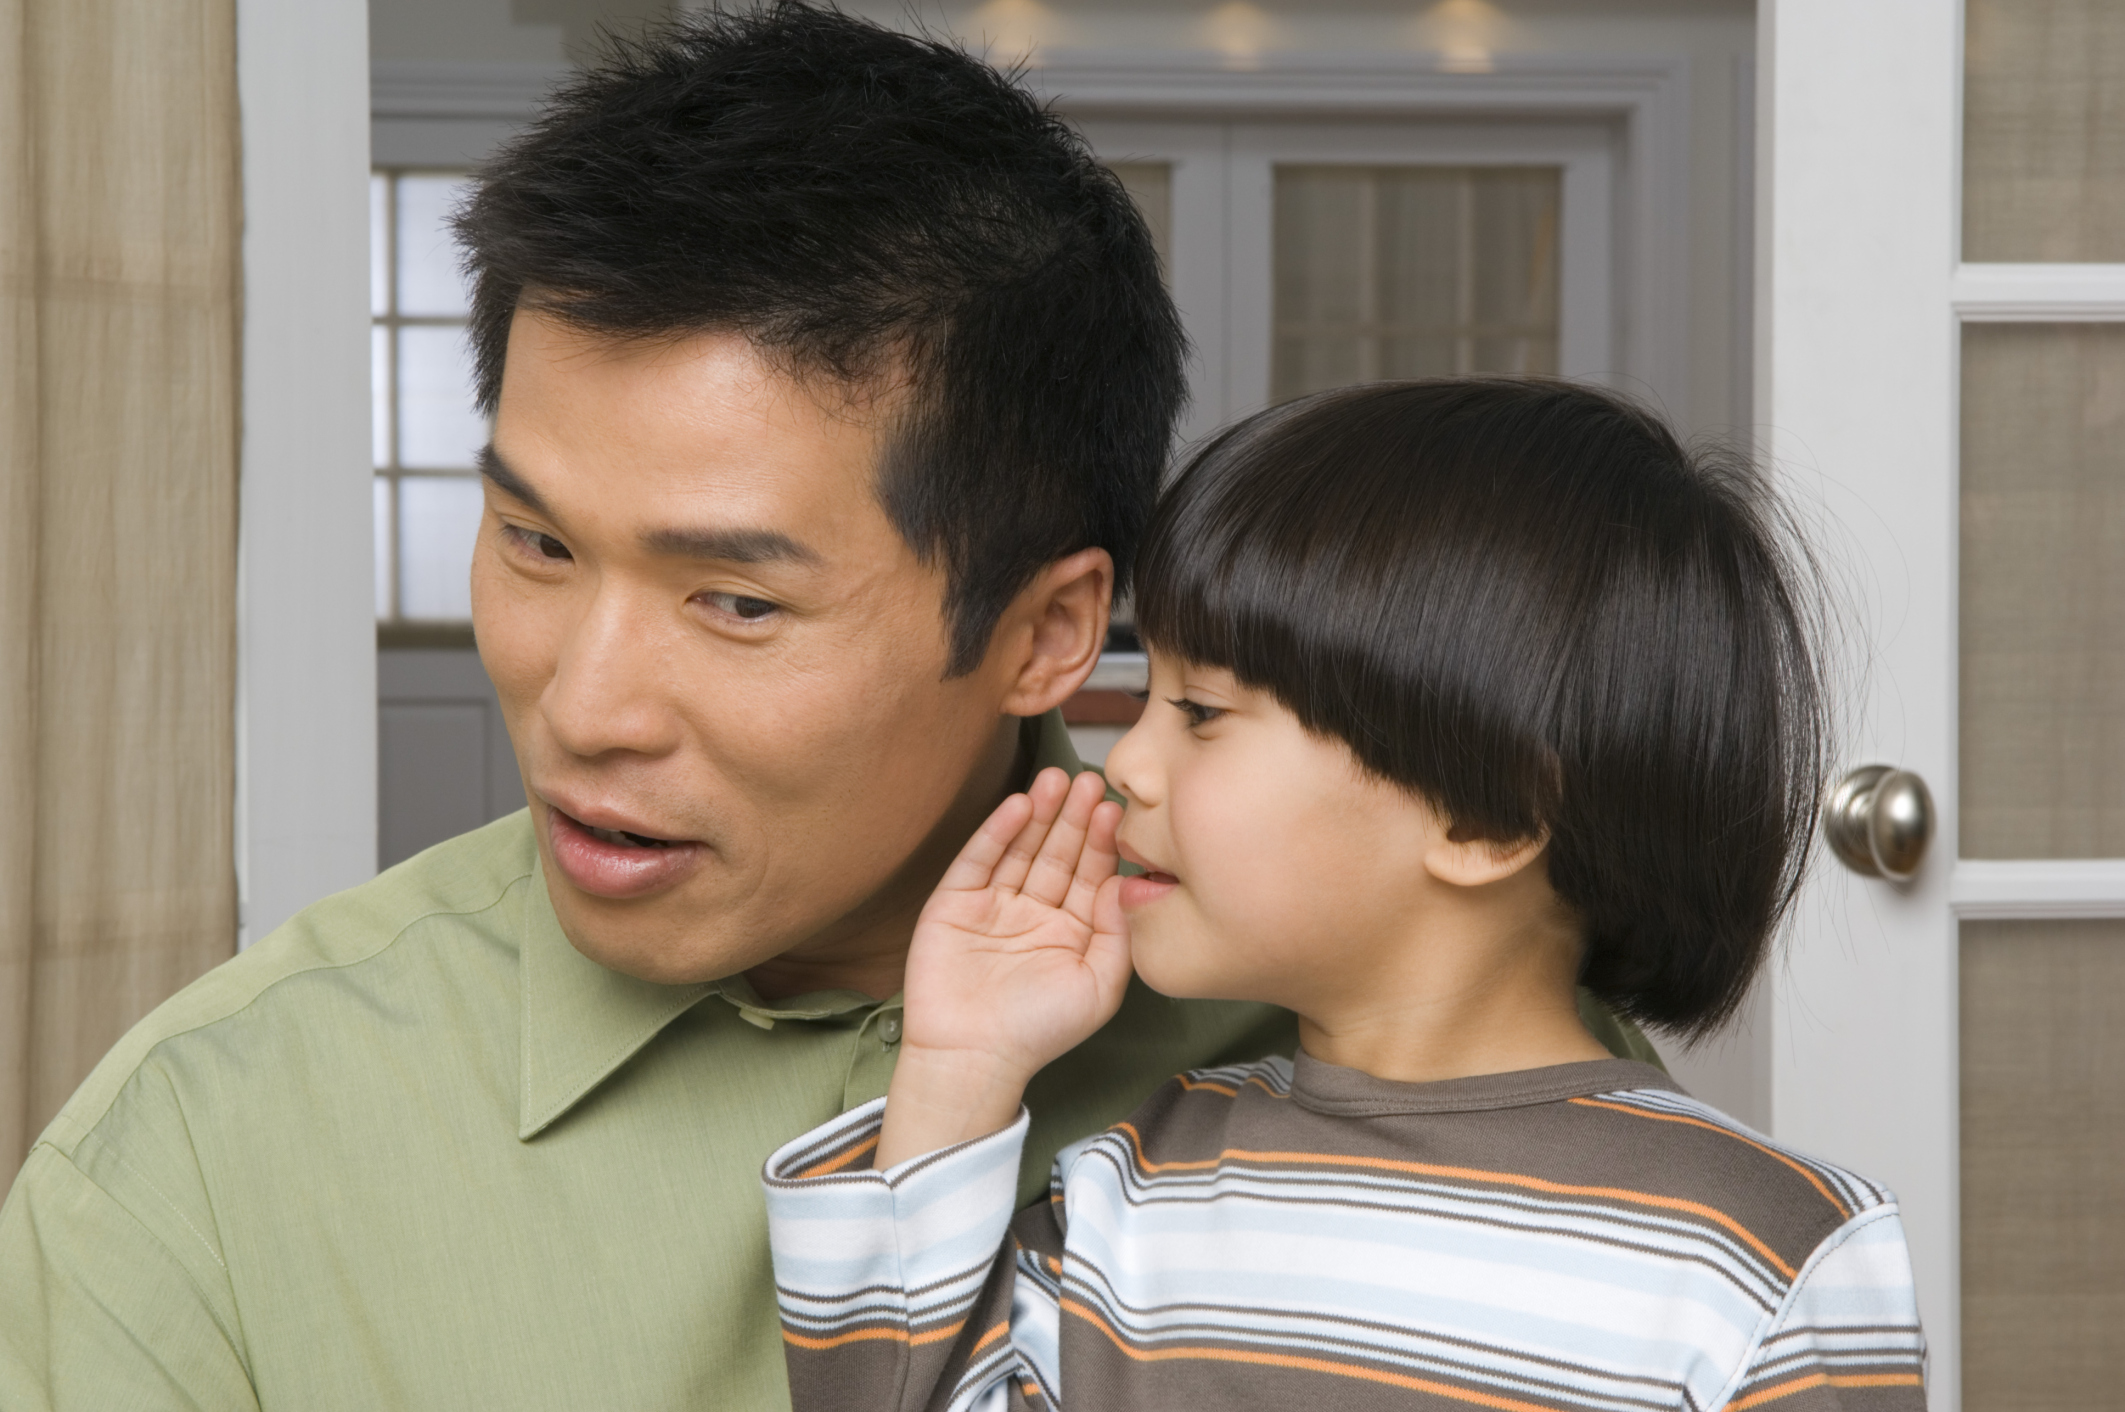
(120, 248)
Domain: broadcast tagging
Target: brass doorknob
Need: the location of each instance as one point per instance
(1878, 822)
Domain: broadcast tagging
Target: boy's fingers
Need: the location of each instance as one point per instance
(1108, 954)
(1047, 792)
(977, 861)
(1097, 862)
(1049, 879)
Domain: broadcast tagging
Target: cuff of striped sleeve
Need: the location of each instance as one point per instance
(895, 1255)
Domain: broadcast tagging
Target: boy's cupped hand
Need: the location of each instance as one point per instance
(1021, 953)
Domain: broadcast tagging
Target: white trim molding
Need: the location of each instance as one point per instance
(1992, 890)
(306, 617)
(408, 88)
(2040, 293)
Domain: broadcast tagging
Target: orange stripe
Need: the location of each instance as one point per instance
(1302, 1364)
(1426, 1169)
(1813, 1180)
(1193, 1086)
(992, 1335)
(836, 1164)
(876, 1336)
(1815, 1380)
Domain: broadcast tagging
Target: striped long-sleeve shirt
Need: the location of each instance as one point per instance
(1577, 1237)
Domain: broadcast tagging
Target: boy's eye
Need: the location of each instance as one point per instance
(739, 606)
(1197, 713)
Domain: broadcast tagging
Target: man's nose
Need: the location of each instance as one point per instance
(607, 693)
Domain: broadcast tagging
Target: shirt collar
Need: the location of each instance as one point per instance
(582, 1021)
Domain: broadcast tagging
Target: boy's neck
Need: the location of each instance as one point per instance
(1462, 1005)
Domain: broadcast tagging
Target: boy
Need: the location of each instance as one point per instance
(1465, 693)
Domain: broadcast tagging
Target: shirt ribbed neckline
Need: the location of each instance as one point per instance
(1335, 1091)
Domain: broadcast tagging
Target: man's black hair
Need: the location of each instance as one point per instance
(1527, 603)
(864, 205)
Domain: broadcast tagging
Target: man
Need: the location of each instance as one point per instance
(832, 382)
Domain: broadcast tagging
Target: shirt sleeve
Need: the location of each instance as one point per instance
(96, 1312)
(1847, 1338)
(901, 1289)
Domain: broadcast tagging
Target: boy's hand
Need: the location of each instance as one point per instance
(1020, 955)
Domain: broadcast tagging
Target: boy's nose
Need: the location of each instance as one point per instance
(1130, 768)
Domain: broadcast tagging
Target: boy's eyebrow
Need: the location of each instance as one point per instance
(729, 546)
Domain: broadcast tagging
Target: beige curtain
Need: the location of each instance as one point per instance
(119, 250)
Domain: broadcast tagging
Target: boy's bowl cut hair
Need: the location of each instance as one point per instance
(1528, 603)
(869, 207)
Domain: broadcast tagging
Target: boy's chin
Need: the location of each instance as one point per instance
(1181, 978)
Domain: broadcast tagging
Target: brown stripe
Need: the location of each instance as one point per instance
(1813, 1180)
(1302, 1364)
(1426, 1169)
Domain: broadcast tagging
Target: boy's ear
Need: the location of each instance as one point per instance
(1053, 631)
(1465, 860)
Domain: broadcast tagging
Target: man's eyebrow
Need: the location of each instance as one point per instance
(502, 478)
(730, 546)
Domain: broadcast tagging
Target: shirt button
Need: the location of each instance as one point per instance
(889, 1029)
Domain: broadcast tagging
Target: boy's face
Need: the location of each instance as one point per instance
(1280, 870)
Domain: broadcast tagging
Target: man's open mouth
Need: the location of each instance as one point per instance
(622, 838)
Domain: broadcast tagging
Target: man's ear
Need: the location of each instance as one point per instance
(1051, 635)
(1474, 862)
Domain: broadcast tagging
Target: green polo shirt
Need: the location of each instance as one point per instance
(413, 1150)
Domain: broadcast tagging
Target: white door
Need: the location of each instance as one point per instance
(1942, 375)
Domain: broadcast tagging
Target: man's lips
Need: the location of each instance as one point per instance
(615, 862)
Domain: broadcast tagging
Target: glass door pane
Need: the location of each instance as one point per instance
(2044, 130)
(2043, 591)
(1396, 272)
(2043, 1164)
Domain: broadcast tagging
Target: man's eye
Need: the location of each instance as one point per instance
(1197, 713)
(750, 610)
(543, 545)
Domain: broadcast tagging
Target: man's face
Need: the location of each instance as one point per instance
(722, 667)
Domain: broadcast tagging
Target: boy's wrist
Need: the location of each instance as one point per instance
(940, 1098)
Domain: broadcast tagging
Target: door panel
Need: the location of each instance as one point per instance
(2043, 591)
(2043, 1161)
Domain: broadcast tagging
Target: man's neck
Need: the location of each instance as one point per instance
(867, 949)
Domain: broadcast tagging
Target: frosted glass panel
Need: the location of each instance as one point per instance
(2044, 130)
(438, 428)
(2043, 591)
(379, 246)
(1150, 186)
(428, 279)
(438, 522)
(2043, 1164)
(381, 499)
(1394, 272)
(379, 395)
